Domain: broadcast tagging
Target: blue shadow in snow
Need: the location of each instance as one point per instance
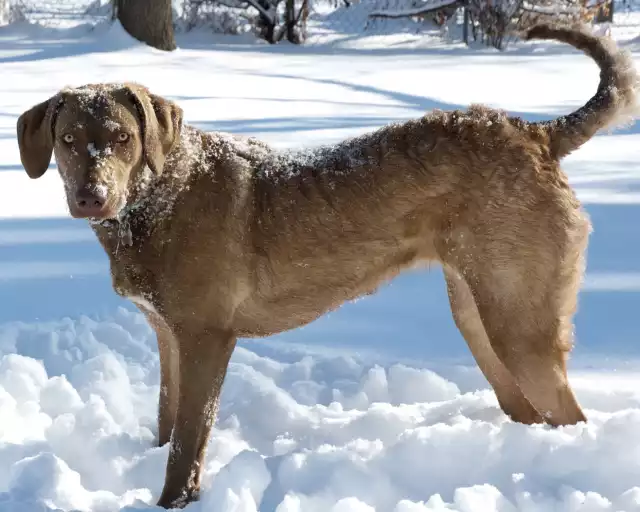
(19, 167)
(420, 104)
(40, 43)
(289, 124)
(606, 322)
(66, 274)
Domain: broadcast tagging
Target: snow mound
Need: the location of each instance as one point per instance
(312, 434)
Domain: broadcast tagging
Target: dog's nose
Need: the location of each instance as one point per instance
(90, 202)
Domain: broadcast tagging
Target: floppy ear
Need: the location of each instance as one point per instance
(35, 136)
(161, 125)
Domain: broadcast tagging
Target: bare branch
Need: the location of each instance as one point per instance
(229, 5)
(266, 14)
(418, 11)
(301, 11)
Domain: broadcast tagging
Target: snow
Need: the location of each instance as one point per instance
(375, 407)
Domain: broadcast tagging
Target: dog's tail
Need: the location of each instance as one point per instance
(615, 101)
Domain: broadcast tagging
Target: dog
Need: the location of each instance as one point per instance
(216, 237)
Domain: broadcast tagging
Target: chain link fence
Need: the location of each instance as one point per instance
(310, 22)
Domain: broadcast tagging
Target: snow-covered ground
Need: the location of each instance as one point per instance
(377, 406)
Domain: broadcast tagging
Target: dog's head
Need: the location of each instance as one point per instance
(105, 138)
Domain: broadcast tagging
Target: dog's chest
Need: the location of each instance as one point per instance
(130, 279)
(132, 261)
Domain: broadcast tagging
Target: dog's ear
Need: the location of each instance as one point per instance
(35, 136)
(161, 125)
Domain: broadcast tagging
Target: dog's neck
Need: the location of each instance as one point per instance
(152, 197)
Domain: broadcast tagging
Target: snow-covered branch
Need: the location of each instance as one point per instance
(417, 11)
(264, 12)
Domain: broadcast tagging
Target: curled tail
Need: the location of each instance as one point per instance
(614, 102)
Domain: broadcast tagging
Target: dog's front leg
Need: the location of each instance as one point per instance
(169, 378)
(169, 375)
(204, 356)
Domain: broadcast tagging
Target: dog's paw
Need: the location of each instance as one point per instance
(162, 440)
(183, 498)
(162, 435)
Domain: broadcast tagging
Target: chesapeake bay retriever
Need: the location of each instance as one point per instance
(216, 237)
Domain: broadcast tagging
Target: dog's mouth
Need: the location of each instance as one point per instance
(95, 201)
(96, 215)
(89, 207)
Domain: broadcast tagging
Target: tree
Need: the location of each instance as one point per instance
(4, 12)
(605, 12)
(149, 21)
(271, 20)
(498, 22)
(296, 23)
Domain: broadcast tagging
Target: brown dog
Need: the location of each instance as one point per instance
(216, 237)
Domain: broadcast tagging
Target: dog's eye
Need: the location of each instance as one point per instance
(123, 137)
(68, 138)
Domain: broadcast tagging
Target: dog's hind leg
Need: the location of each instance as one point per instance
(465, 314)
(523, 269)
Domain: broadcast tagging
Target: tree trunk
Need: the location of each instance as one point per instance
(265, 25)
(4, 12)
(296, 24)
(465, 24)
(605, 13)
(149, 21)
